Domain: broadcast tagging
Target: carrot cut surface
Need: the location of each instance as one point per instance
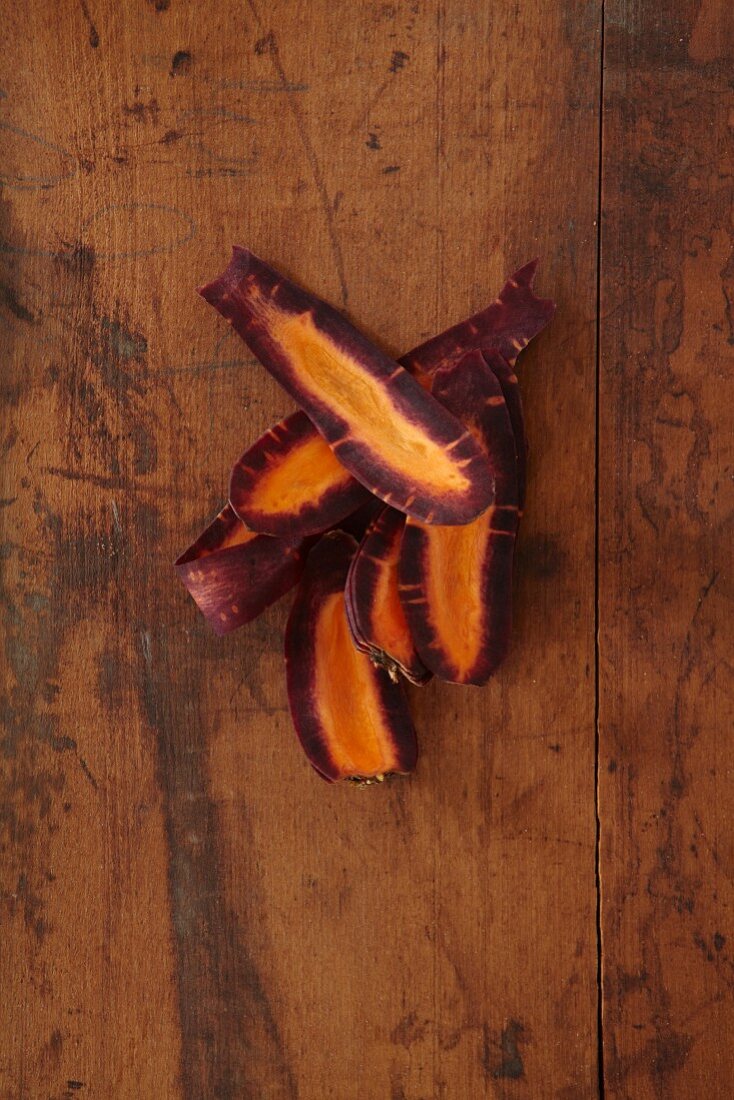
(383, 426)
(375, 613)
(352, 720)
(290, 482)
(456, 583)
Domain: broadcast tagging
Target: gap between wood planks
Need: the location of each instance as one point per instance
(597, 853)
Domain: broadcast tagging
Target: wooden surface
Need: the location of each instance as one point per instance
(666, 752)
(187, 911)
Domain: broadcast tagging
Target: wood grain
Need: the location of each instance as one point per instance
(188, 911)
(666, 639)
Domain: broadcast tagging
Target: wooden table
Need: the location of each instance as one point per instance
(545, 908)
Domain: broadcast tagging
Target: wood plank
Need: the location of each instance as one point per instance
(666, 550)
(190, 911)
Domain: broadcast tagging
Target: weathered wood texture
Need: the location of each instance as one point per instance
(666, 638)
(187, 910)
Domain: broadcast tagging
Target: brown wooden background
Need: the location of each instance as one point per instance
(187, 911)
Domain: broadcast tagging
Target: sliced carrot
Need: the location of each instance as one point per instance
(352, 720)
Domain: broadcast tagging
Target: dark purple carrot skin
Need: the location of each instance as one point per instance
(507, 379)
(508, 325)
(470, 389)
(326, 574)
(361, 590)
(244, 293)
(231, 585)
(357, 523)
(339, 501)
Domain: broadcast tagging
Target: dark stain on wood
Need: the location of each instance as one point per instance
(220, 990)
(398, 60)
(126, 728)
(410, 1030)
(540, 556)
(510, 1065)
(56, 1043)
(266, 44)
(108, 393)
(93, 33)
(143, 112)
(181, 63)
(121, 342)
(9, 299)
(663, 547)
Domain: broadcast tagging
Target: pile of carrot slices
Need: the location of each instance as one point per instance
(392, 499)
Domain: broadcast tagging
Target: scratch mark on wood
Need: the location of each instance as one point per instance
(371, 104)
(93, 35)
(397, 62)
(109, 219)
(203, 367)
(31, 182)
(87, 771)
(10, 301)
(218, 173)
(116, 517)
(103, 481)
(311, 156)
(220, 114)
(263, 86)
(220, 990)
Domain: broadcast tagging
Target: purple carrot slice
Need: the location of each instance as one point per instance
(268, 490)
(507, 325)
(507, 379)
(375, 614)
(352, 720)
(290, 483)
(233, 574)
(456, 582)
(383, 426)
